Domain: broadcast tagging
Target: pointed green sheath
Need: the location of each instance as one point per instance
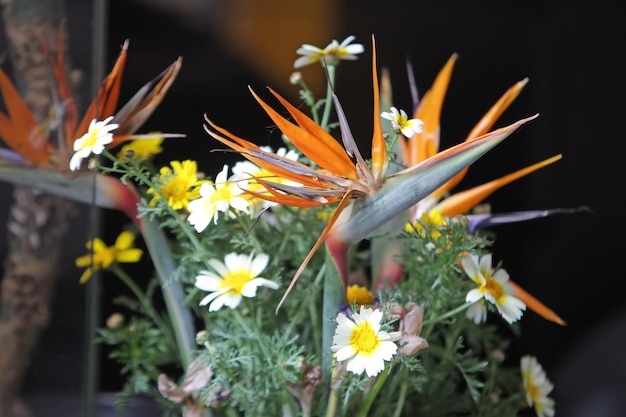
(83, 187)
(408, 187)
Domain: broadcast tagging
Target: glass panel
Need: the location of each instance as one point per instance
(49, 55)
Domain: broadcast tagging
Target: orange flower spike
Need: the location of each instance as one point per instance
(379, 147)
(276, 195)
(464, 201)
(104, 104)
(141, 106)
(19, 129)
(311, 139)
(486, 123)
(333, 247)
(536, 305)
(425, 144)
(70, 112)
(245, 148)
(494, 113)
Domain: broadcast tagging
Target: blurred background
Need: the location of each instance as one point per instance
(571, 51)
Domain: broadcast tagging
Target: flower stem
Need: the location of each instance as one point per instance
(328, 103)
(371, 396)
(402, 393)
(450, 313)
(331, 404)
(143, 299)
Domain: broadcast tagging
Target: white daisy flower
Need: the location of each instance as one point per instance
(477, 312)
(215, 198)
(233, 279)
(537, 387)
(493, 287)
(332, 54)
(400, 122)
(98, 135)
(361, 342)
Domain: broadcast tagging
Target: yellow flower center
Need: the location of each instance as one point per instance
(493, 287)
(532, 389)
(236, 280)
(176, 188)
(364, 340)
(91, 138)
(103, 258)
(222, 194)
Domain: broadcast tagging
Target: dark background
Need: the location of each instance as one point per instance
(572, 53)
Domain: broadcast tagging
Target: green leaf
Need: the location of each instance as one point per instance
(408, 187)
(83, 187)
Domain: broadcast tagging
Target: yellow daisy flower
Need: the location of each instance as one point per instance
(432, 219)
(140, 148)
(178, 184)
(103, 256)
(359, 295)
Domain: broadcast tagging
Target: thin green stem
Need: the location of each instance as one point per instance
(402, 393)
(431, 322)
(142, 298)
(371, 396)
(252, 332)
(328, 103)
(307, 94)
(331, 404)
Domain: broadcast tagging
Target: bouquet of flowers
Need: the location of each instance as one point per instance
(306, 279)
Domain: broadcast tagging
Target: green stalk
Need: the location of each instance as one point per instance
(173, 292)
(143, 299)
(371, 396)
(402, 393)
(331, 404)
(328, 102)
(334, 298)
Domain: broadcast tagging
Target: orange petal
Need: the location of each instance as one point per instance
(141, 106)
(483, 126)
(243, 147)
(379, 147)
(105, 103)
(19, 129)
(279, 197)
(463, 202)
(70, 112)
(490, 118)
(536, 305)
(426, 144)
(310, 139)
(342, 205)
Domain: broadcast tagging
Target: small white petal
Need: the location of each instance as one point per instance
(207, 281)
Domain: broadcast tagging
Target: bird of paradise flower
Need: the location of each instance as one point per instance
(344, 176)
(35, 158)
(425, 144)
